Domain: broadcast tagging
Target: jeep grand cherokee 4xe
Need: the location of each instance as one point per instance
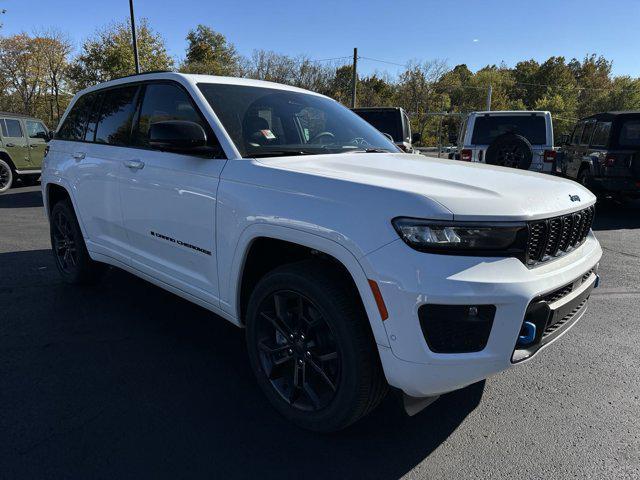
(351, 265)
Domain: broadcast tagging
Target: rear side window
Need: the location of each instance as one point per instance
(601, 134)
(488, 128)
(116, 113)
(577, 133)
(630, 134)
(12, 128)
(385, 121)
(586, 133)
(76, 120)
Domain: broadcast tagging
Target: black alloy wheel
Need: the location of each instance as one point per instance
(511, 155)
(510, 150)
(298, 351)
(65, 248)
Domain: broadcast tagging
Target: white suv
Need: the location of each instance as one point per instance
(517, 139)
(351, 266)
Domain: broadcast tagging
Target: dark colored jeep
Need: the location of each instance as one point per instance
(392, 121)
(603, 154)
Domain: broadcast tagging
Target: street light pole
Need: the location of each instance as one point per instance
(133, 34)
(354, 78)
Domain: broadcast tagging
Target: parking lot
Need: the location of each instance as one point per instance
(124, 380)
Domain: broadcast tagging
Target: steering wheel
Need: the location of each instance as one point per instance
(321, 135)
(360, 142)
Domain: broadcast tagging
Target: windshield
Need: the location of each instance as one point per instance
(274, 122)
(386, 121)
(488, 128)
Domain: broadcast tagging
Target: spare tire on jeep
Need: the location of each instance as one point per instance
(510, 150)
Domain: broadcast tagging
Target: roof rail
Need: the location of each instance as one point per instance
(11, 114)
(141, 73)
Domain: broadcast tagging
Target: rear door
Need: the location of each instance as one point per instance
(581, 149)
(571, 150)
(169, 199)
(38, 137)
(15, 143)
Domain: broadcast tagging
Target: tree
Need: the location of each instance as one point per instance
(108, 54)
(209, 52)
(55, 48)
(22, 67)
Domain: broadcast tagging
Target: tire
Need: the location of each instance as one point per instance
(584, 178)
(510, 150)
(6, 176)
(69, 250)
(338, 323)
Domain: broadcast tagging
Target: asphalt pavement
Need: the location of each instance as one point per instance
(125, 380)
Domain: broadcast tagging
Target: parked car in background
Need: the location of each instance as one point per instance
(392, 121)
(517, 139)
(603, 154)
(23, 141)
(351, 265)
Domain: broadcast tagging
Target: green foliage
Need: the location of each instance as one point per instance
(108, 54)
(208, 52)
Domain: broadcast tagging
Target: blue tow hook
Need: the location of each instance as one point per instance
(527, 334)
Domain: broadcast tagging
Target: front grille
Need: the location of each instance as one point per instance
(556, 236)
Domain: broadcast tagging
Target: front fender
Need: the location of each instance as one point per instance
(359, 269)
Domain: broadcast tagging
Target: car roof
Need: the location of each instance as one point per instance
(194, 79)
(511, 112)
(371, 109)
(611, 115)
(18, 115)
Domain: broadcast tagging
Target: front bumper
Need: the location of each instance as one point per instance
(409, 279)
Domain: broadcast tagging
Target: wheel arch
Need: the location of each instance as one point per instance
(4, 155)
(289, 245)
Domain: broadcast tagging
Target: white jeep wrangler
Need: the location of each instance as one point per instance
(351, 266)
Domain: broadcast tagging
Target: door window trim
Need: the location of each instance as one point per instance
(6, 128)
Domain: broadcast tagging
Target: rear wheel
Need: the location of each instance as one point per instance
(311, 348)
(6, 176)
(69, 250)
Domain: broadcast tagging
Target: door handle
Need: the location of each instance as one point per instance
(134, 164)
(79, 155)
(32, 146)
(10, 144)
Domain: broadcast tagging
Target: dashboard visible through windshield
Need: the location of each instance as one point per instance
(277, 122)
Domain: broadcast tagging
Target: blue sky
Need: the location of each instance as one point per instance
(461, 31)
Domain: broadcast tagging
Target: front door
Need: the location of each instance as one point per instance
(15, 142)
(38, 138)
(169, 199)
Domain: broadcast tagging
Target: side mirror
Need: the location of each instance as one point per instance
(416, 137)
(177, 136)
(46, 136)
(453, 138)
(565, 139)
(50, 135)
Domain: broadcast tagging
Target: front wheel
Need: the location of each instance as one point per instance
(311, 348)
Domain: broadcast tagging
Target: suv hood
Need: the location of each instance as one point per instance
(471, 191)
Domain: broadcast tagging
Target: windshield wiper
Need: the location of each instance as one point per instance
(280, 153)
(369, 150)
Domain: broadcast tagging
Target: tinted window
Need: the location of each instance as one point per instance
(116, 112)
(406, 128)
(601, 134)
(577, 133)
(384, 121)
(36, 129)
(488, 128)
(12, 128)
(93, 117)
(75, 122)
(163, 102)
(586, 133)
(630, 134)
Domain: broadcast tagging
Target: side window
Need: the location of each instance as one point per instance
(577, 133)
(12, 128)
(76, 120)
(406, 128)
(36, 130)
(116, 114)
(601, 134)
(93, 117)
(165, 101)
(586, 133)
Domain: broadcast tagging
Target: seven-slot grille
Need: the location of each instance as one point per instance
(556, 236)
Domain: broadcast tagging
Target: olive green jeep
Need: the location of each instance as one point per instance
(23, 141)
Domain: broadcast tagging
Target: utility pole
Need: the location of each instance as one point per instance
(354, 78)
(133, 34)
(489, 91)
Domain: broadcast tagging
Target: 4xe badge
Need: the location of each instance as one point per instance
(574, 198)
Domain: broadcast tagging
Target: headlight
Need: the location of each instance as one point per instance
(491, 239)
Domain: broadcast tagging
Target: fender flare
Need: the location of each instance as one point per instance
(359, 269)
(4, 153)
